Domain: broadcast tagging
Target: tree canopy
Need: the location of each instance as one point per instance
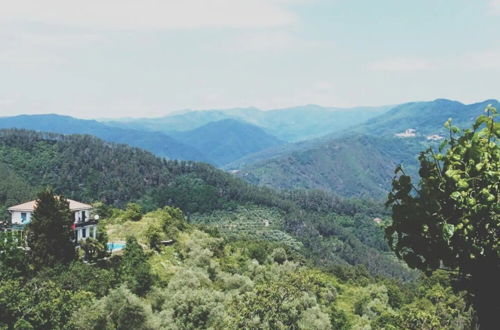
(451, 219)
(50, 233)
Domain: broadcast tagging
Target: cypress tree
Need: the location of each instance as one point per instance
(50, 233)
(135, 269)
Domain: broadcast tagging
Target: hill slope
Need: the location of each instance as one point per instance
(361, 162)
(227, 140)
(160, 144)
(177, 122)
(288, 124)
(88, 169)
(313, 121)
(427, 118)
(358, 166)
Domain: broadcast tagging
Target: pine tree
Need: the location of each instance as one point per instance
(135, 269)
(50, 233)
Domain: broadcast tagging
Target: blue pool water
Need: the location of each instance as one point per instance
(113, 246)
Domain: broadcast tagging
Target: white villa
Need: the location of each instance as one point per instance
(410, 132)
(84, 226)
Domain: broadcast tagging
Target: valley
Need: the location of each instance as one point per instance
(352, 153)
(249, 164)
(308, 216)
(117, 175)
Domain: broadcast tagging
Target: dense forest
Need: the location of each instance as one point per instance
(228, 140)
(206, 281)
(160, 144)
(331, 230)
(357, 166)
(204, 250)
(249, 164)
(359, 161)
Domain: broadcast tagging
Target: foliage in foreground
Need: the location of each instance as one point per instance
(202, 281)
(452, 219)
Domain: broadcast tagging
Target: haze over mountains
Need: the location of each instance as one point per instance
(359, 162)
(227, 140)
(289, 124)
(425, 117)
(218, 137)
(160, 144)
(351, 152)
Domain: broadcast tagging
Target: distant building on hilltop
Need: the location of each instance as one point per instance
(435, 137)
(84, 226)
(410, 132)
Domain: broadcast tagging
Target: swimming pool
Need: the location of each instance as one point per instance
(115, 246)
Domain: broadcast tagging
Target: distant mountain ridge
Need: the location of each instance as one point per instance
(218, 143)
(425, 117)
(354, 166)
(227, 140)
(359, 162)
(355, 161)
(288, 124)
(218, 137)
(158, 143)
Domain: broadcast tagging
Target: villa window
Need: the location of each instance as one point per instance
(84, 214)
(84, 232)
(24, 217)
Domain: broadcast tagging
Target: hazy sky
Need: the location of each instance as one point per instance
(117, 58)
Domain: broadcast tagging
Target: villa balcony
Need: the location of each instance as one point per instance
(87, 222)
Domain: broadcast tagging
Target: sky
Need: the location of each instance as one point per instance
(146, 58)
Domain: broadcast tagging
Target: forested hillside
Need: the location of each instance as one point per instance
(331, 230)
(227, 140)
(205, 281)
(357, 166)
(427, 118)
(159, 144)
(359, 162)
(249, 165)
(13, 189)
(240, 256)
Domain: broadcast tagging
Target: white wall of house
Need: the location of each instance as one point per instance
(20, 218)
(82, 215)
(86, 232)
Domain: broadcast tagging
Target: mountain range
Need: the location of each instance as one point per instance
(288, 124)
(360, 161)
(227, 140)
(426, 118)
(158, 143)
(331, 230)
(351, 152)
(218, 143)
(218, 137)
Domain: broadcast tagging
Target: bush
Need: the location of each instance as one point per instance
(133, 212)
